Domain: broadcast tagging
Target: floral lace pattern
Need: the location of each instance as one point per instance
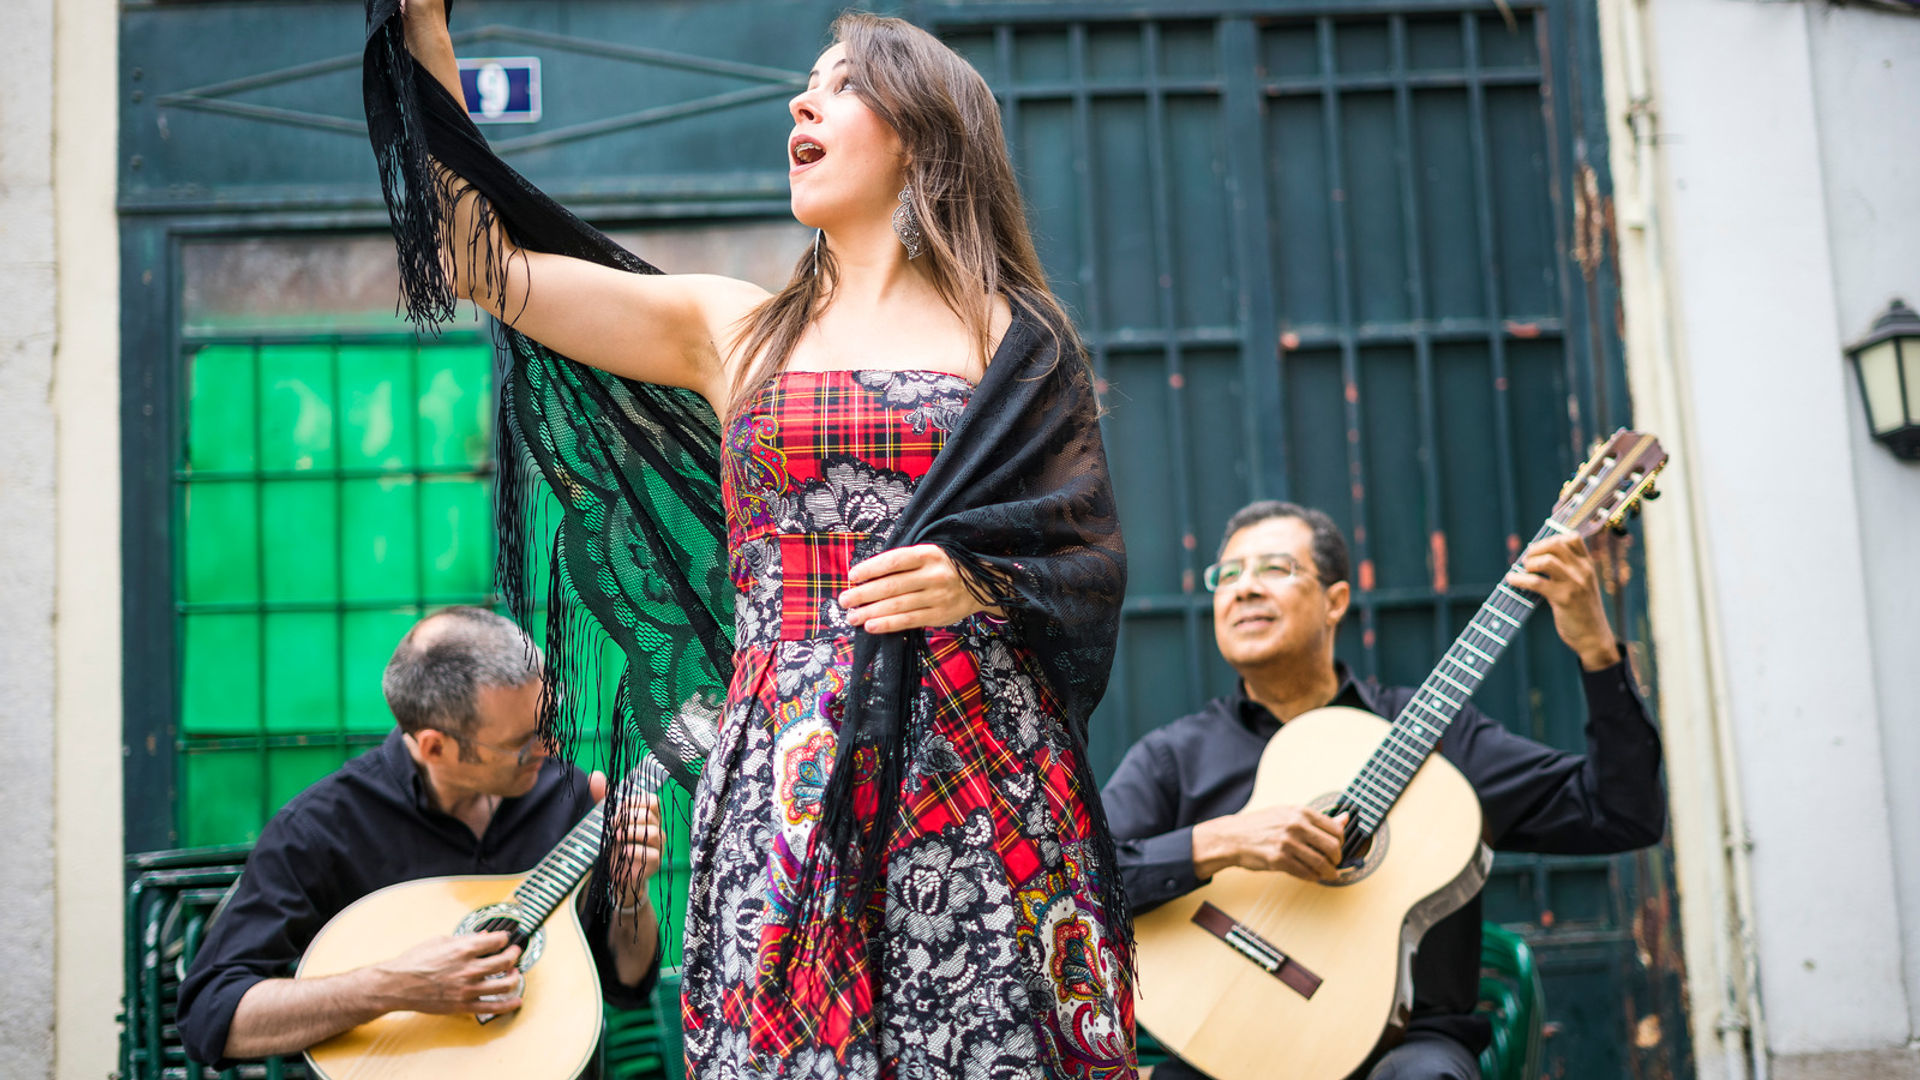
(996, 962)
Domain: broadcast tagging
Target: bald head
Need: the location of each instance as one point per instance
(438, 669)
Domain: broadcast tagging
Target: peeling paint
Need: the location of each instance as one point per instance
(1366, 575)
(1525, 330)
(1437, 546)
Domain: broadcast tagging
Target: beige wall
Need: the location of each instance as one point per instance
(26, 536)
(86, 672)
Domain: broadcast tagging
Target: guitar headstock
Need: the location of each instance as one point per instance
(1612, 483)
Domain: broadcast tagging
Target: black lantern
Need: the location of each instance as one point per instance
(1887, 362)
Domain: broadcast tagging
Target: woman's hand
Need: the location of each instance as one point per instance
(908, 588)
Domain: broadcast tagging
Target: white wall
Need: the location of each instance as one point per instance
(87, 706)
(26, 536)
(1866, 75)
(1754, 292)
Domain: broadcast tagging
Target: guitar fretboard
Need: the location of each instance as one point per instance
(1434, 707)
(563, 868)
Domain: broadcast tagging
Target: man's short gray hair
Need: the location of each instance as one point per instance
(435, 676)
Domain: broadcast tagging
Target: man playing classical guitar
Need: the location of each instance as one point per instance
(463, 785)
(1279, 591)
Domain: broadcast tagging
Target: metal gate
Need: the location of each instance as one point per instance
(1350, 253)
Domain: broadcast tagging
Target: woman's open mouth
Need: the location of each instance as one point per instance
(803, 151)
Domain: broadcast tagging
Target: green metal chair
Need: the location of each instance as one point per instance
(1511, 995)
(172, 900)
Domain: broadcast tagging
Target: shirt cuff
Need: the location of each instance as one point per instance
(618, 995)
(208, 1019)
(1157, 869)
(1610, 691)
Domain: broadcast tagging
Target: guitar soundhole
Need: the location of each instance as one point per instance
(1372, 852)
(475, 922)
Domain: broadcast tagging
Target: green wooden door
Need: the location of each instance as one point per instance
(1341, 252)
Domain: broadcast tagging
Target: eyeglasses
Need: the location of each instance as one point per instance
(1271, 571)
(522, 754)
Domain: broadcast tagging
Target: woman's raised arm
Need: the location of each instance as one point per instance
(671, 329)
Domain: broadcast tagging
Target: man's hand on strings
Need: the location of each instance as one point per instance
(450, 975)
(908, 588)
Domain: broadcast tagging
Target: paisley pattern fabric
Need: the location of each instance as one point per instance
(995, 959)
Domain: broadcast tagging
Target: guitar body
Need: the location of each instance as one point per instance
(551, 1037)
(1227, 1015)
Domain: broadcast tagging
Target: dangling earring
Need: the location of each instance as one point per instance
(816, 251)
(907, 225)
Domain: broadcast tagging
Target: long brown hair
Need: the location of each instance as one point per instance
(963, 192)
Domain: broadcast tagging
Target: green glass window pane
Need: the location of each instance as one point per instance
(380, 548)
(220, 408)
(456, 405)
(220, 674)
(222, 552)
(293, 769)
(369, 640)
(221, 793)
(296, 407)
(303, 672)
(376, 383)
(301, 534)
(456, 536)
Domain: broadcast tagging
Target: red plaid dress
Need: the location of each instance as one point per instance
(999, 961)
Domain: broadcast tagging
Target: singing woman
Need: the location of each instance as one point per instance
(899, 863)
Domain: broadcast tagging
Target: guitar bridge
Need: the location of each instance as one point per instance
(1262, 952)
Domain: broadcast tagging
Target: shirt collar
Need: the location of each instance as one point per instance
(1256, 718)
(402, 771)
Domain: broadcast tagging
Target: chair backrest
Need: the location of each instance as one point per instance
(1513, 997)
(171, 902)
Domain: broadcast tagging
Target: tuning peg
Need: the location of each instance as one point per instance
(1651, 493)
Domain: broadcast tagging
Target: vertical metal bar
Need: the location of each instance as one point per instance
(1095, 316)
(152, 410)
(1561, 195)
(1496, 331)
(1422, 339)
(339, 558)
(1009, 101)
(1349, 344)
(414, 360)
(1263, 405)
(1590, 270)
(260, 574)
(1177, 400)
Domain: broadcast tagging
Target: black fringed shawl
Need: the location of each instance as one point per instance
(1019, 498)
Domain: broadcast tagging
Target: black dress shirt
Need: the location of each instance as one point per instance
(368, 825)
(1533, 798)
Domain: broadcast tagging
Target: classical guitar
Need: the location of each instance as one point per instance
(1257, 975)
(550, 1037)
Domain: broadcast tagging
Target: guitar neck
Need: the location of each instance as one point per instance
(566, 866)
(1438, 701)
